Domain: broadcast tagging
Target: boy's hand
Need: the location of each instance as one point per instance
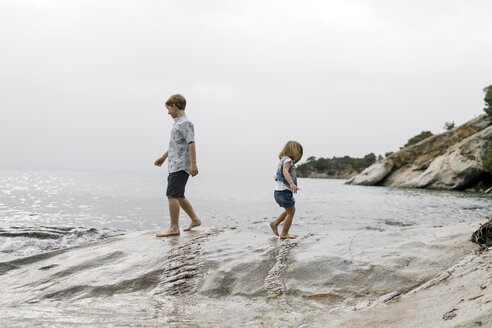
(193, 169)
(294, 188)
(159, 161)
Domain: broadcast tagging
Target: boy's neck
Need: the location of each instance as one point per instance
(180, 113)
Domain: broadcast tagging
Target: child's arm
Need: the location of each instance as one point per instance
(161, 159)
(285, 171)
(193, 167)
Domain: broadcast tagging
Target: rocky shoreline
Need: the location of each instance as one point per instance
(460, 296)
(451, 161)
(223, 277)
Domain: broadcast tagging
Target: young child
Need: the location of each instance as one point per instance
(182, 163)
(286, 185)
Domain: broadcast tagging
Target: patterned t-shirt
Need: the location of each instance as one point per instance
(182, 134)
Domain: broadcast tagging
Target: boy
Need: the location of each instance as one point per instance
(182, 163)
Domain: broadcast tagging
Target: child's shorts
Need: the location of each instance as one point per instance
(284, 198)
(176, 183)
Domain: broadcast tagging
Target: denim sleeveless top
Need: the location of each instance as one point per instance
(292, 171)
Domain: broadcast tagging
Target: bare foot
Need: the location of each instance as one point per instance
(168, 232)
(274, 227)
(194, 223)
(287, 237)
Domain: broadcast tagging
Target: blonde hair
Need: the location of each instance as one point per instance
(293, 149)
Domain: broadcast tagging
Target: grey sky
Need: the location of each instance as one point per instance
(84, 82)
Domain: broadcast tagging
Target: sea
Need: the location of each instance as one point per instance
(47, 213)
(130, 201)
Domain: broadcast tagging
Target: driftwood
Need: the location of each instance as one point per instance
(483, 235)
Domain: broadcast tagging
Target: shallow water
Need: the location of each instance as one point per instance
(78, 248)
(136, 201)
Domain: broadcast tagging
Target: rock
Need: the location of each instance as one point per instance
(460, 300)
(230, 278)
(373, 174)
(483, 235)
(450, 160)
(448, 316)
(479, 187)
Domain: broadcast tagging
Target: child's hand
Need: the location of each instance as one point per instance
(193, 169)
(294, 188)
(159, 161)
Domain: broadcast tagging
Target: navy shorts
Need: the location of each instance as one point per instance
(284, 198)
(176, 183)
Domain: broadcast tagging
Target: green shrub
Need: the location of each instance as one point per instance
(488, 100)
(369, 159)
(487, 160)
(448, 126)
(334, 165)
(418, 138)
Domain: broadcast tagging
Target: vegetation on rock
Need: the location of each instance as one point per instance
(346, 167)
(338, 167)
(487, 160)
(448, 126)
(488, 100)
(418, 138)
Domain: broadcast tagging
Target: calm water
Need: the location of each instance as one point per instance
(136, 201)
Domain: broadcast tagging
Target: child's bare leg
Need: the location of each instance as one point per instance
(287, 222)
(174, 213)
(186, 206)
(274, 224)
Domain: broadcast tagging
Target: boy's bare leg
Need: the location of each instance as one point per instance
(174, 213)
(186, 206)
(287, 222)
(274, 224)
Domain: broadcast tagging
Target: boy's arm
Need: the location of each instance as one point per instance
(285, 171)
(161, 159)
(193, 167)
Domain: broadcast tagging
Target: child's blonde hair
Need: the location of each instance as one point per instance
(293, 149)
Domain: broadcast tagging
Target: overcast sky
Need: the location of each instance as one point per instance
(83, 83)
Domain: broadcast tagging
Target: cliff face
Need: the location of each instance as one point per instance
(450, 160)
